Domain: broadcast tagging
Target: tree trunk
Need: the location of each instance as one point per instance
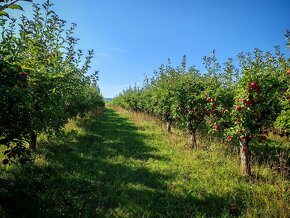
(32, 144)
(245, 160)
(168, 127)
(192, 143)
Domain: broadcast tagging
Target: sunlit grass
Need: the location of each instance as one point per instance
(123, 164)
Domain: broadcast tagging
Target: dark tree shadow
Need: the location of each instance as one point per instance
(81, 176)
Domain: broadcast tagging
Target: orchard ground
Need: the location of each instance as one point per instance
(123, 164)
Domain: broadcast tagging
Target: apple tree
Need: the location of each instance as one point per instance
(42, 83)
(257, 100)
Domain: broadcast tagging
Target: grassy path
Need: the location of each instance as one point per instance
(125, 165)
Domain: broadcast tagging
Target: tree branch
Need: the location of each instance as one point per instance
(7, 5)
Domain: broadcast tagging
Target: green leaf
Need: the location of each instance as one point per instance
(3, 13)
(27, 68)
(3, 21)
(15, 6)
(22, 34)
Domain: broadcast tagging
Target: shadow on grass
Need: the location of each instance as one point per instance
(101, 173)
(274, 154)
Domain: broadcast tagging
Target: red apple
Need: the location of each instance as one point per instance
(229, 138)
(213, 105)
(253, 85)
(238, 108)
(288, 72)
(251, 137)
(248, 102)
(216, 127)
(209, 99)
(244, 149)
(243, 139)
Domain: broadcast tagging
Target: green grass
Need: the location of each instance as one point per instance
(121, 164)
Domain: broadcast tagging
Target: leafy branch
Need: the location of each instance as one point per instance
(10, 5)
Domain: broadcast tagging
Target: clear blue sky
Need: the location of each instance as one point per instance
(131, 38)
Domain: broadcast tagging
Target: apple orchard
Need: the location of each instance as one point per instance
(239, 105)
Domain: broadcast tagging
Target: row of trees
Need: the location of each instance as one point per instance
(236, 103)
(43, 78)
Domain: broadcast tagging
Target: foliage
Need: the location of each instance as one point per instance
(43, 83)
(260, 94)
(10, 4)
(235, 103)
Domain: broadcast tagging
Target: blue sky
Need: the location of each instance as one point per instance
(132, 38)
